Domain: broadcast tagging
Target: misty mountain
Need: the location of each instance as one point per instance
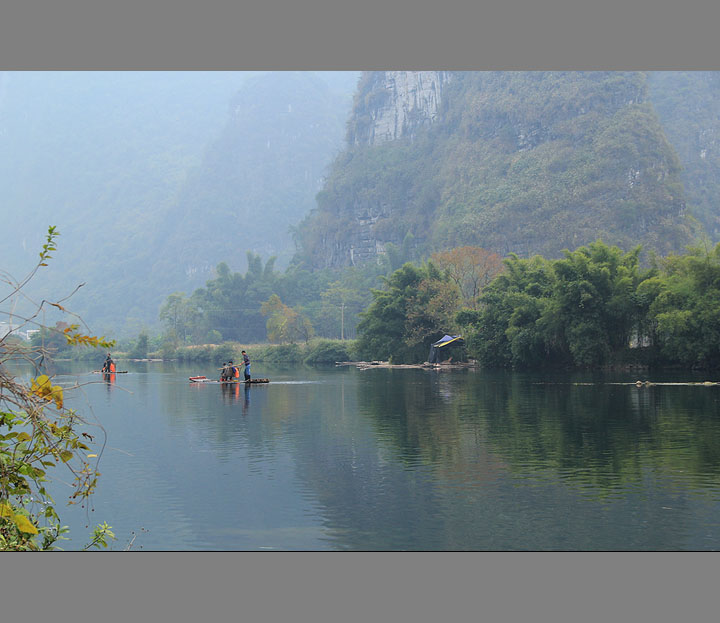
(257, 180)
(130, 166)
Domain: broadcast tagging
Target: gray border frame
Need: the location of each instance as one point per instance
(375, 34)
(347, 587)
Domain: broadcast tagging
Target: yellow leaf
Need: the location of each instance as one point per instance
(66, 455)
(91, 456)
(41, 385)
(6, 510)
(57, 394)
(23, 524)
(23, 437)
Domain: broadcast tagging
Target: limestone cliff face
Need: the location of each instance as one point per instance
(395, 104)
(389, 105)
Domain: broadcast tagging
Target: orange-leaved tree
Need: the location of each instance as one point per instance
(471, 269)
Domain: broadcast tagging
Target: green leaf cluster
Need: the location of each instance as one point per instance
(684, 303)
(577, 311)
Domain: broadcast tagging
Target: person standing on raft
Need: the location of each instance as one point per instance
(109, 365)
(246, 361)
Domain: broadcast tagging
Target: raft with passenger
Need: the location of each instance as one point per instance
(204, 379)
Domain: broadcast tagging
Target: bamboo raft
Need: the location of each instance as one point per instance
(204, 379)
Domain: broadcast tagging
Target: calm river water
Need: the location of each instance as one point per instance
(405, 459)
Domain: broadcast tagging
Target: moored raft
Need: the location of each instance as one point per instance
(653, 383)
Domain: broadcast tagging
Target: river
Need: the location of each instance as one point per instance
(326, 458)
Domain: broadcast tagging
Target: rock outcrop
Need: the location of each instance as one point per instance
(395, 104)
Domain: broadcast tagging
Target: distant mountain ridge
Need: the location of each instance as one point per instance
(525, 162)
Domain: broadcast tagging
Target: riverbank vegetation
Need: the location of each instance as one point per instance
(597, 306)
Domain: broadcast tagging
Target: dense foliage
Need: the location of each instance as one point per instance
(597, 306)
(182, 175)
(683, 303)
(577, 311)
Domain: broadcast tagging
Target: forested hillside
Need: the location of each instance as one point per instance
(524, 162)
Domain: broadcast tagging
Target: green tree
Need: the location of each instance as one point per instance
(507, 330)
(431, 310)
(594, 294)
(180, 315)
(685, 298)
(285, 324)
(415, 308)
(230, 303)
(140, 348)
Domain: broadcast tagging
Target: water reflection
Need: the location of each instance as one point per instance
(629, 465)
(410, 459)
(601, 435)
